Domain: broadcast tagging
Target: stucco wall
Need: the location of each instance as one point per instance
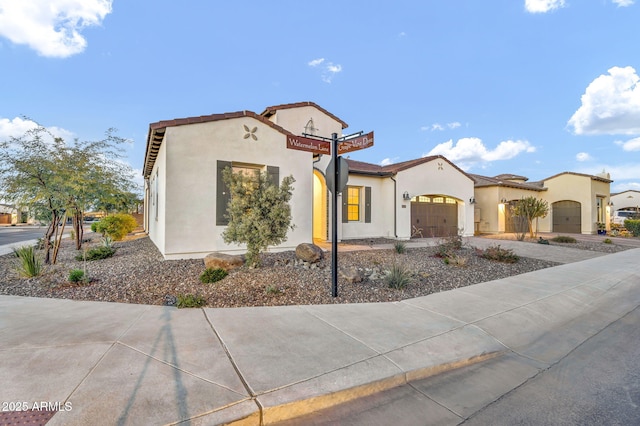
(436, 177)
(381, 209)
(626, 200)
(491, 215)
(192, 151)
(156, 224)
(294, 120)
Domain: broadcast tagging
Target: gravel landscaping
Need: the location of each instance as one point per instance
(138, 274)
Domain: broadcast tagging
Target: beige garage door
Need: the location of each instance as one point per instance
(434, 216)
(567, 217)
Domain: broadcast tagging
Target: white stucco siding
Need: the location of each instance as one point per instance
(382, 220)
(157, 202)
(193, 151)
(626, 200)
(295, 119)
(435, 177)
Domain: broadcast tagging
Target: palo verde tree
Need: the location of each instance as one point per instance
(259, 212)
(58, 179)
(531, 208)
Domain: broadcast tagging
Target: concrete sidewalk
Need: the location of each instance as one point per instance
(135, 364)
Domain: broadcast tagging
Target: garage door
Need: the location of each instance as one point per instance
(567, 217)
(5, 218)
(434, 216)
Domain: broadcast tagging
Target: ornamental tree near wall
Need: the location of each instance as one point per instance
(531, 208)
(259, 212)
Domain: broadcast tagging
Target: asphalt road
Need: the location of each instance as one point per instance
(596, 384)
(15, 234)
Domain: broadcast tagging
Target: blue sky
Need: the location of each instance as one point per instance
(531, 87)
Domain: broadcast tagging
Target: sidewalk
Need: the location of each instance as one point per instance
(134, 364)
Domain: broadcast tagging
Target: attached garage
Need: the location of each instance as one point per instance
(567, 217)
(5, 218)
(434, 216)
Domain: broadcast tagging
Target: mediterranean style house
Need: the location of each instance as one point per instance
(577, 202)
(186, 200)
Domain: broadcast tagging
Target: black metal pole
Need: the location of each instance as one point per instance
(334, 216)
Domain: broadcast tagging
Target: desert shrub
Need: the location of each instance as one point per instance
(211, 275)
(106, 241)
(94, 226)
(76, 276)
(190, 301)
(633, 226)
(456, 260)
(563, 239)
(499, 254)
(40, 243)
(115, 226)
(400, 247)
(398, 276)
(448, 246)
(29, 264)
(607, 241)
(97, 253)
(272, 290)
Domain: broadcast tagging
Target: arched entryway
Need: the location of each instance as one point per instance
(567, 217)
(320, 207)
(434, 216)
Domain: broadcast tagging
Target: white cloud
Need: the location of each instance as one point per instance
(468, 151)
(610, 105)
(618, 172)
(436, 126)
(388, 161)
(51, 27)
(440, 127)
(453, 125)
(625, 186)
(583, 156)
(630, 145)
(543, 6)
(623, 3)
(315, 62)
(18, 127)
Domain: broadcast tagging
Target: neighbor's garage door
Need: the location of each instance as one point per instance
(567, 217)
(5, 218)
(434, 216)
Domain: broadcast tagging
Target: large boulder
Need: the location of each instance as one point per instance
(351, 274)
(223, 261)
(309, 252)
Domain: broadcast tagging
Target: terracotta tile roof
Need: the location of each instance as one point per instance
(269, 111)
(484, 181)
(593, 177)
(157, 130)
(360, 167)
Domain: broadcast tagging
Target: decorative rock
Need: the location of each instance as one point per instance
(223, 261)
(309, 252)
(352, 275)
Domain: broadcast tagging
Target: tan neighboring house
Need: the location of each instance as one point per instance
(577, 202)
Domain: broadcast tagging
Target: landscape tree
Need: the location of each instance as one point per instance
(259, 212)
(531, 208)
(57, 179)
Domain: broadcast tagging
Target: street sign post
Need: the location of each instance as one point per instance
(306, 144)
(355, 144)
(343, 174)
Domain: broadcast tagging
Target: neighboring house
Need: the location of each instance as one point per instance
(8, 214)
(186, 200)
(627, 201)
(577, 202)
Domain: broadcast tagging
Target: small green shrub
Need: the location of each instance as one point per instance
(607, 241)
(563, 239)
(115, 226)
(29, 264)
(211, 275)
(94, 226)
(77, 276)
(97, 253)
(633, 226)
(398, 276)
(272, 290)
(400, 247)
(448, 246)
(40, 243)
(190, 301)
(106, 241)
(499, 254)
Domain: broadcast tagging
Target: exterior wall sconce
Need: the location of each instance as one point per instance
(503, 201)
(472, 200)
(406, 196)
(610, 203)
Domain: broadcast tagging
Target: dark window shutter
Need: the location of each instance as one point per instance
(367, 204)
(222, 194)
(345, 205)
(274, 175)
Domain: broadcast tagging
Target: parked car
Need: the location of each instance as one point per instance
(620, 216)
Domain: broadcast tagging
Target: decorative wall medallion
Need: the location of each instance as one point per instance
(251, 133)
(310, 128)
(440, 165)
